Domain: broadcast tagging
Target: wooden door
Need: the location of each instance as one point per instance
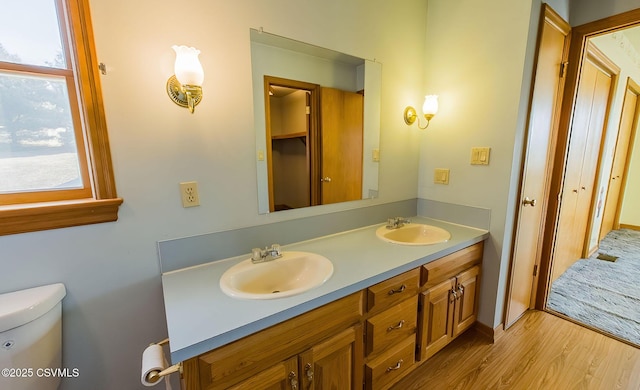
(466, 305)
(553, 44)
(435, 319)
(336, 363)
(341, 128)
(622, 154)
(589, 118)
(278, 377)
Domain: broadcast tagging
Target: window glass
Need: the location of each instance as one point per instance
(37, 141)
(31, 34)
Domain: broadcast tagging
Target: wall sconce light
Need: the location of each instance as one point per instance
(429, 109)
(185, 87)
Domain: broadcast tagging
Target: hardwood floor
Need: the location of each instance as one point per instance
(540, 351)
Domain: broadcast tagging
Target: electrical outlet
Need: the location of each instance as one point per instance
(189, 194)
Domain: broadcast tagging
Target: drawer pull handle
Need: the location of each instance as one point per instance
(454, 295)
(293, 381)
(309, 371)
(398, 290)
(396, 367)
(400, 324)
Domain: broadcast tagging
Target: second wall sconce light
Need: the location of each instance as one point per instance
(429, 109)
(185, 86)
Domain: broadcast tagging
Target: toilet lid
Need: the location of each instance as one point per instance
(20, 307)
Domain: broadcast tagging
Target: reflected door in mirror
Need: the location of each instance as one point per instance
(341, 134)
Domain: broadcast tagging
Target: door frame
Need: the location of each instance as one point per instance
(634, 88)
(579, 40)
(312, 137)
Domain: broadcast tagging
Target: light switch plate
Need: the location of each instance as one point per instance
(441, 176)
(480, 155)
(375, 155)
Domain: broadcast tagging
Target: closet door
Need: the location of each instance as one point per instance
(553, 47)
(589, 118)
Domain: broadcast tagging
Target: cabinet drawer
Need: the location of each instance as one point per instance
(386, 369)
(391, 291)
(392, 325)
(448, 266)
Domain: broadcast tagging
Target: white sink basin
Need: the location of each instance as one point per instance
(414, 234)
(293, 273)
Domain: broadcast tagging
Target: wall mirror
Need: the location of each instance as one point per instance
(317, 124)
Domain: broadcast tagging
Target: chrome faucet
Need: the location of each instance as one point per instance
(397, 222)
(267, 254)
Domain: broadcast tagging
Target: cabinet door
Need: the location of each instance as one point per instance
(466, 303)
(282, 376)
(435, 319)
(336, 363)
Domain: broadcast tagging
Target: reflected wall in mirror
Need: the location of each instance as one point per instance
(317, 124)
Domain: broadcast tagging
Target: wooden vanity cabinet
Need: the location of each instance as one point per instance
(328, 338)
(370, 339)
(332, 364)
(448, 304)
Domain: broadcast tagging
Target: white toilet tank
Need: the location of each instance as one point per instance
(31, 338)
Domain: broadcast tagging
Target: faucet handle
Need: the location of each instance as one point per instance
(256, 254)
(275, 248)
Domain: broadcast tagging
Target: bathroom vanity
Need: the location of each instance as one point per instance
(386, 309)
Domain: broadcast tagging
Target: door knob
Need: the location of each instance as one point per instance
(327, 179)
(528, 201)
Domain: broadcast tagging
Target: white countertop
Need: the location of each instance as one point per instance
(200, 317)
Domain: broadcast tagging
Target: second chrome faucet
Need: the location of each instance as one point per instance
(267, 254)
(397, 222)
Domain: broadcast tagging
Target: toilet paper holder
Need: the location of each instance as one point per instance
(155, 375)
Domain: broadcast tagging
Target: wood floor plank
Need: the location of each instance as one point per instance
(541, 351)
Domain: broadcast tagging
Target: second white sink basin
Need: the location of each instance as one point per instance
(414, 234)
(291, 274)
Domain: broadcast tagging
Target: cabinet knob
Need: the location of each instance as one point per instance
(526, 201)
(398, 290)
(326, 179)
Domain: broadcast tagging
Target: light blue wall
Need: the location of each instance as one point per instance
(114, 305)
(480, 62)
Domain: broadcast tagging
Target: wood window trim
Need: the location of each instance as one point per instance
(104, 204)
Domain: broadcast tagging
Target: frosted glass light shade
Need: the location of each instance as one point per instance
(430, 106)
(187, 68)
